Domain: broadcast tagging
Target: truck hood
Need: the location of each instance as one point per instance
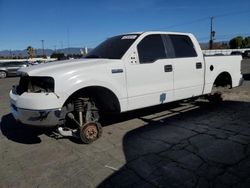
(65, 67)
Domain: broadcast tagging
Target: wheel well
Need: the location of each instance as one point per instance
(105, 100)
(4, 71)
(223, 79)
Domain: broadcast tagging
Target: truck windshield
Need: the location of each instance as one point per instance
(113, 48)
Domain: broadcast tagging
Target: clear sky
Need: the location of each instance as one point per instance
(80, 23)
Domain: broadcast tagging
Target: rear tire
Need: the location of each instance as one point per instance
(216, 95)
(215, 98)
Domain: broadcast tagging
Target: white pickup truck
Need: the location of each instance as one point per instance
(123, 73)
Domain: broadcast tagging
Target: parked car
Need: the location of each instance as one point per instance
(246, 54)
(219, 54)
(124, 73)
(236, 53)
(9, 68)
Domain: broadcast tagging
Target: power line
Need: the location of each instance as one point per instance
(185, 23)
(207, 18)
(232, 13)
(221, 37)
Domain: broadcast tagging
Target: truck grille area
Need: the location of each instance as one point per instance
(35, 84)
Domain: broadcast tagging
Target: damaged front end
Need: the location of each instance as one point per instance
(32, 101)
(35, 84)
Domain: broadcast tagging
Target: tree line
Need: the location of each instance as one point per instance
(239, 42)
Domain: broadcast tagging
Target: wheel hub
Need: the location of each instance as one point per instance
(91, 131)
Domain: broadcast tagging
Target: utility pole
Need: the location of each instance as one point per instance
(61, 46)
(11, 53)
(43, 47)
(212, 34)
(68, 41)
(55, 48)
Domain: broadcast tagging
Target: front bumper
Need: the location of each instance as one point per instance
(35, 109)
(46, 118)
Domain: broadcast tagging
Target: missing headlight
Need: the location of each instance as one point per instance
(35, 84)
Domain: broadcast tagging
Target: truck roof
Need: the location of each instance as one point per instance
(152, 32)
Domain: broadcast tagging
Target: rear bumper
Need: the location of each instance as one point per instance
(48, 118)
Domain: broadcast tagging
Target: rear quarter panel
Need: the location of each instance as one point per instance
(230, 64)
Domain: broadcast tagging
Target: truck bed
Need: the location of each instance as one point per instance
(217, 64)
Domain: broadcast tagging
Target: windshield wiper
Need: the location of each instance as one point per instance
(93, 56)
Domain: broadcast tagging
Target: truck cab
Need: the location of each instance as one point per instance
(162, 68)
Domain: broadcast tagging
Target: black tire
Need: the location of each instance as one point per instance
(3, 74)
(90, 132)
(215, 98)
(217, 93)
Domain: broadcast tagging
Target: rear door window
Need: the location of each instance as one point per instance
(183, 46)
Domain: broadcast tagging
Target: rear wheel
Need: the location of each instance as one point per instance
(215, 98)
(3, 74)
(217, 93)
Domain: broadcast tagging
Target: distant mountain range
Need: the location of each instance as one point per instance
(47, 52)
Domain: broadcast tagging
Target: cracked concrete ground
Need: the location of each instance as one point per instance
(187, 144)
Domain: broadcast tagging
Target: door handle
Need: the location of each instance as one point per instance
(168, 68)
(198, 65)
(114, 71)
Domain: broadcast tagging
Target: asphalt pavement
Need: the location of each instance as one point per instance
(182, 144)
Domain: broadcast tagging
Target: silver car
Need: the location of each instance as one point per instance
(10, 68)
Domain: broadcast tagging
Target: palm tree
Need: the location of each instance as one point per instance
(30, 51)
